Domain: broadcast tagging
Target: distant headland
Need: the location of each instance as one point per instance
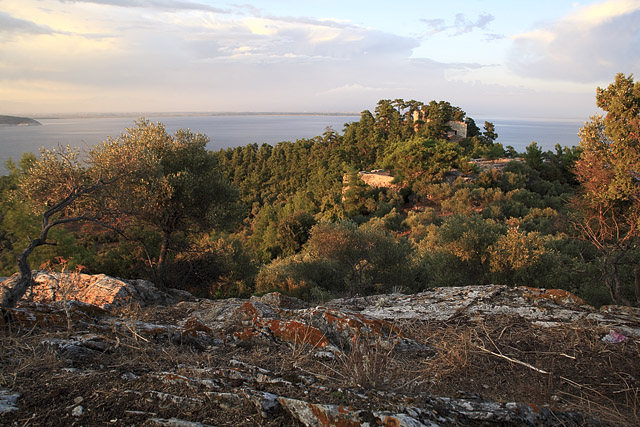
(18, 121)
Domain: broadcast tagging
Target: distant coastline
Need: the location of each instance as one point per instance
(18, 121)
(479, 118)
(187, 114)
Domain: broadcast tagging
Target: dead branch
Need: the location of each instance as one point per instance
(518, 362)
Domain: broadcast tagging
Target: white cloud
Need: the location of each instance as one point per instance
(461, 24)
(262, 38)
(464, 25)
(153, 4)
(590, 45)
(190, 59)
(12, 25)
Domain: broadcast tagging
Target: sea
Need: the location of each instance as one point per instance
(237, 130)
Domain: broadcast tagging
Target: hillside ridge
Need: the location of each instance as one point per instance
(18, 121)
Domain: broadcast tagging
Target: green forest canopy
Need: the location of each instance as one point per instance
(443, 221)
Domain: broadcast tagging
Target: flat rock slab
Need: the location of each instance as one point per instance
(547, 307)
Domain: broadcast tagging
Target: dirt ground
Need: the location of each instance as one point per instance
(136, 379)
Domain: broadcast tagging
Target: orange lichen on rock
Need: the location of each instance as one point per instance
(328, 419)
(620, 309)
(173, 377)
(194, 325)
(358, 322)
(391, 422)
(44, 315)
(247, 311)
(297, 332)
(535, 407)
(558, 295)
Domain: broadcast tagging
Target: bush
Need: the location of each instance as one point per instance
(370, 260)
(215, 268)
(311, 280)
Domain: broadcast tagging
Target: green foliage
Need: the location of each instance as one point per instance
(489, 132)
(276, 233)
(608, 171)
(357, 197)
(515, 255)
(302, 277)
(18, 223)
(312, 228)
(368, 260)
(533, 156)
(468, 239)
(215, 267)
(423, 160)
(169, 183)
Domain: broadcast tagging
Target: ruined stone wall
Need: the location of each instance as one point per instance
(460, 128)
(377, 178)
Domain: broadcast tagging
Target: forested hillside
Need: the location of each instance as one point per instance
(299, 217)
(17, 121)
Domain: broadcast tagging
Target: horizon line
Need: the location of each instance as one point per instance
(183, 114)
(133, 114)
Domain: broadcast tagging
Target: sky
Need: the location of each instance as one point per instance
(492, 58)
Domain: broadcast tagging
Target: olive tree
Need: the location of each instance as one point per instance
(64, 190)
(145, 176)
(170, 183)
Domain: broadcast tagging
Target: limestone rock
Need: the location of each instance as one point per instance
(57, 315)
(277, 300)
(80, 346)
(433, 413)
(546, 307)
(173, 422)
(258, 322)
(99, 290)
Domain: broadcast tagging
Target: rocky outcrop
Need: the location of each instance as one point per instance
(269, 319)
(276, 360)
(100, 290)
(433, 412)
(498, 164)
(543, 307)
(375, 179)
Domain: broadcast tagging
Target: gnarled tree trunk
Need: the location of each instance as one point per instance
(14, 289)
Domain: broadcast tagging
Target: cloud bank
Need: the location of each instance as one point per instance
(153, 4)
(191, 55)
(11, 25)
(591, 45)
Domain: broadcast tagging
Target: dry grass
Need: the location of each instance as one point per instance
(23, 354)
(303, 345)
(371, 364)
(566, 367)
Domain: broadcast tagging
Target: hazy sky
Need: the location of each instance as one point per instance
(493, 58)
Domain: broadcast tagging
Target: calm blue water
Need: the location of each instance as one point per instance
(520, 133)
(233, 131)
(224, 131)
